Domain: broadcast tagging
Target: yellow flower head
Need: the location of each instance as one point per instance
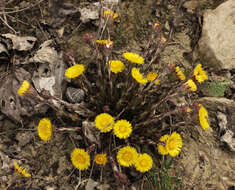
(23, 88)
(80, 159)
(163, 40)
(144, 162)
(110, 13)
(122, 129)
(74, 71)
(179, 73)
(104, 122)
(162, 148)
(156, 24)
(116, 66)
(199, 74)
(100, 159)
(174, 144)
(133, 57)
(188, 110)
(104, 42)
(138, 76)
(127, 156)
(203, 117)
(191, 85)
(157, 28)
(21, 170)
(45, 129)
(151, 76)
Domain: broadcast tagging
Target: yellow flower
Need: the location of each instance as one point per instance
(203, 117)
(23, 88)
(133, 57)
(104, 122)
(74, 71)
(104, 42)
(138, 76)
(191, 85)
(179, 73)
(45, 129)
(100, 159)
(80, 159)
(199, 74)
(151, 76)
(144, 162)
(122, 129)
(163, 40)
(110, 13)
(127, 156)
(174, 144)
(157, 28)
(116, 66)
(21, 170)
(162, 148)
(188, 110)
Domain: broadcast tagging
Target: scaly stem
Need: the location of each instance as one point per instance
(157, 118)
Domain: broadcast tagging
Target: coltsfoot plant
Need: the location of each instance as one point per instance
(127, 99)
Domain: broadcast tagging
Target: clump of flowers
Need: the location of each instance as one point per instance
(80, 159)
(74, 71)
(45, 129)
(125, 104)
(21, 170)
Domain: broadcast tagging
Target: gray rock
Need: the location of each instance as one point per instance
(90, 12)
(229, 140)
(215, 103)
(75, 95)
(217, 43)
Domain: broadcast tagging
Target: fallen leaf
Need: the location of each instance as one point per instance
(103, 187)
(21, 43)
(91, 184)
(50, 73)
(91, 133)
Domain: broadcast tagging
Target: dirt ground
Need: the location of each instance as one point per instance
(204, 163)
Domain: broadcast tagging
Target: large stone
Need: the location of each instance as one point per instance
(217, 43)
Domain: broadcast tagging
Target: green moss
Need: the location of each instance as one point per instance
(217, 88)
(119, 38)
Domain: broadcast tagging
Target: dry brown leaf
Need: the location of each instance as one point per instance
(91, 133)
(91, 184)
(21, 43)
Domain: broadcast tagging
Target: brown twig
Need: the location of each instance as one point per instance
(20, 10)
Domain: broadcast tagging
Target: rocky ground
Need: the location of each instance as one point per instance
(201, 31)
